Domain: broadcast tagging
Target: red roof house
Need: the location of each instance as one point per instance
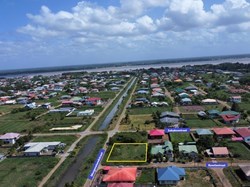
(223, 131)
(127, 174)
(220, 151)
(120, 185)
(156, 132)
(244, 133)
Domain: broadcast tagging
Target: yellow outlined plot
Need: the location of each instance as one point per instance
(128, 144)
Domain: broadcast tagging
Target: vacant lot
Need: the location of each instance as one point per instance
(147, 110)
(104, 95)
(8, 108)
(180, 137)
(147, 176)
(198, 123)
(25, 171)
(196, 178)
(138, 122)
(238, 148)
(127, 152)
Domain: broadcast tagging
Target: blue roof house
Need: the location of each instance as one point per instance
(170, 175)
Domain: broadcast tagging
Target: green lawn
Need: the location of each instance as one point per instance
(244, 105)
(198, 123)
(146, 110)
(26, 172)
(147, 176)
(180, 137)
(8, 108)
(128, 153)
(137, 122)
(240, 149)
(104, 95)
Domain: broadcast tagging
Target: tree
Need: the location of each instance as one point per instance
(235, 107)
(205, 142)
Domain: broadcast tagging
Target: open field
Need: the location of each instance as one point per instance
(147, 176)
(25, 171)
(128, 152)
(147, 110)
(198, 123)
(8, 108)
(137, 122)
(239, 149)
(104, 95)
(196, 178)
(180, 137)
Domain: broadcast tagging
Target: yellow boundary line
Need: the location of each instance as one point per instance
(146, 146)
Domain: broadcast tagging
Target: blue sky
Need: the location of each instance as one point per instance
(40, 33)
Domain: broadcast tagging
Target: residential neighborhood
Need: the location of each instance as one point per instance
(143, 127)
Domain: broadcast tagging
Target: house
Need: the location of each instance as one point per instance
(245, 168)
(85, 113)
(170, 175)
(191, 88)
(64, 109)
(142, 92)
(183, 95)
(9, 138)
(170, 118)
(218, 152)
(244, 133)
(203, 132)
(186, 101)
(40, 148)
(121, 184)
(30, 105)
(156, 134)
(166, 150)
(235, 99)
(115, 88)
(46, 105)
(213, 113)
(93, 101)
(117, 175)
(10, 102)
(169, 114)
(67, 103)
(230, 117)
(224, 132)
(209, 101)
(188, 150)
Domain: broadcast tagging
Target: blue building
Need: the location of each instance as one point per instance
(170, 175)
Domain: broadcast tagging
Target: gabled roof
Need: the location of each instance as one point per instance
(204, 132)
(220, 150)
(10, 135)
(121, 175)
(223, 131)
(171, 173)
(188, 148)
(229, 112)
(214, 111)
(156, 132)
(120, 184)
(243, 132)
(245, 168)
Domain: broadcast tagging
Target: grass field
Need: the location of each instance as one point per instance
(180, 137)
(147, 176)
(126, 152)
(147, 110)
(8, 108)
(25, 171)
(138, 122)
(244, 105)
(196, 178)
(240, 149)
(104, 95)
(198, 123)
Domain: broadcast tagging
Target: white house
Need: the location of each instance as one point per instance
(10, 138)
(209, 101)
(236, 99)
(38, 148)
(86, 113)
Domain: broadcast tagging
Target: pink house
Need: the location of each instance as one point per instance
(10, 138)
